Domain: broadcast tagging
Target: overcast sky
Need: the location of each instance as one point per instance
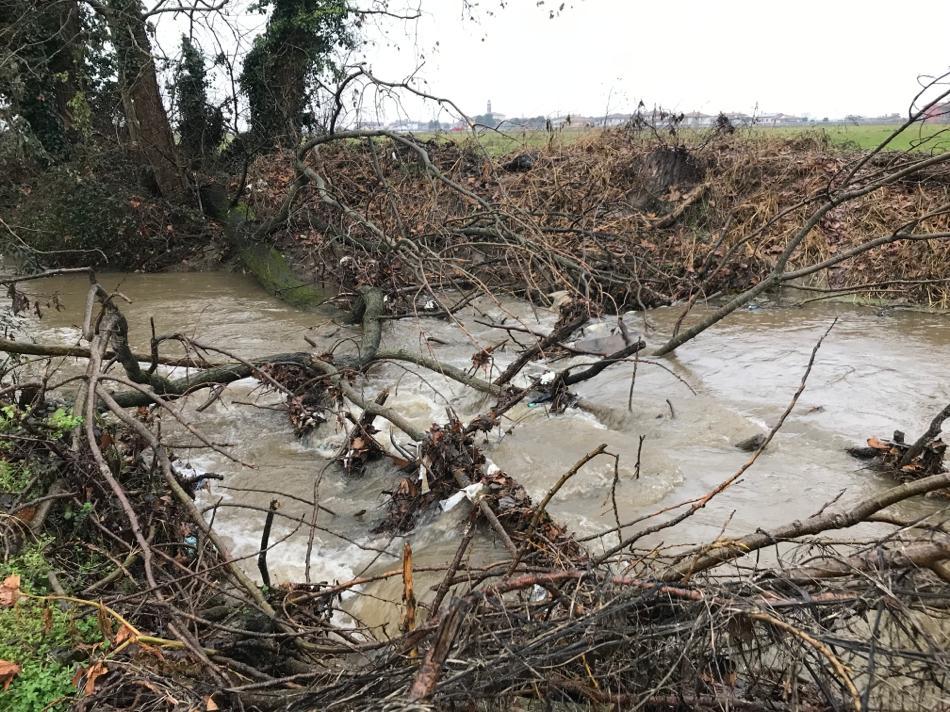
(820, 58)
(827, 57)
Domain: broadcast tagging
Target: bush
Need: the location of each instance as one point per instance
(46, 641)
(74, 216)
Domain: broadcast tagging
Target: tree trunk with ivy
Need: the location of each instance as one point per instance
(142, 101)
(43, 58)
(296, 45)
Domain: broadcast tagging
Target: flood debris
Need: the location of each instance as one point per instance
(907, 461)
(521, 162)
(118, 551)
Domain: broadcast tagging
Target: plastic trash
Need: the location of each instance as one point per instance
(424, 477)
(538, 593)
(471, 493)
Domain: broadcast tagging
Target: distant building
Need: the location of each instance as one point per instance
(938, 114)
(489, 118)
(572, 121)
(780, 120)
(697, 120)
(612, 120)
(408, 125)
(740, 119)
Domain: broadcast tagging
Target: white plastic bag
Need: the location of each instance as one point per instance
(471, 492)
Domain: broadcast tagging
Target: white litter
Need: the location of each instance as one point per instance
(423, 474)
(471, 493)
(548, 378)
(492, 469)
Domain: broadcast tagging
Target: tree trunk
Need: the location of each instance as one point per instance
(43, 58)
(65, 61)
(144, 112)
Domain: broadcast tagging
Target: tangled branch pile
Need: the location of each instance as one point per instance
(621, 217)
(100, 519)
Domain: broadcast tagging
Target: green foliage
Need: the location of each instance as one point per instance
(78, 516)
(44, 70)
(13, 478)
(47, 643)
(296, 47)
(45, 640)
(200, 126)
(81, 112)
(9, 415)
(97, 211)
(100, 70)
(26, 82)
(81, 214)
(62, 421)
(31, 565)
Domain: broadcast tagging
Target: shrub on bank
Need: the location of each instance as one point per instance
(102, 214)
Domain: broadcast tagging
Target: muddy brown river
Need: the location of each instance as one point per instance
(879, 369)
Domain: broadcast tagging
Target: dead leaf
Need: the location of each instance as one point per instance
(877, 444)
(93, 673)
(151, 650)
(124, 634)
(211, 705)
(10, 590)
(397, 461)
(105, 623)
(25, 514)
(8, 671)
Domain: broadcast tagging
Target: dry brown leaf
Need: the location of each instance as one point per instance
(8, 671)
(105, 623)
(10, 590)
(211, 705)
(124, 634)
(25, 514)
(95, 671)
(878, 444)
(397, 461)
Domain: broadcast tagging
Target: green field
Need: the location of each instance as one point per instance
(928, 137)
